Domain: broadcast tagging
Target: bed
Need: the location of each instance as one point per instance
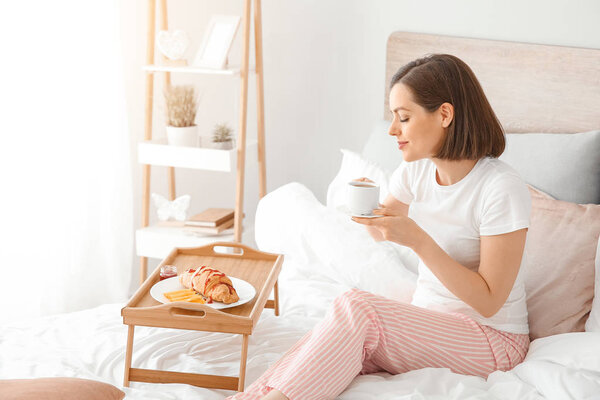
(547, 99)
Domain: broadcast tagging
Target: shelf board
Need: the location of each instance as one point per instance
(157, 241)
(158, 152)
(190, 69)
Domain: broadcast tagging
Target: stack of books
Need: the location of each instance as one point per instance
(211, 221)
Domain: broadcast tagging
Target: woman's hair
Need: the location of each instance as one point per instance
(475, 131)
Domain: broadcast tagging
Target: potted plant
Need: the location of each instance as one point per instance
(222, 138)
(181, 108)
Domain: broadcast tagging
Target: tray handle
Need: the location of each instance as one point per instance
(244, 251)
(186, 310)
(183, 311)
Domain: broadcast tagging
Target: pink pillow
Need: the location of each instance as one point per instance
(59, 389)
(560, 251)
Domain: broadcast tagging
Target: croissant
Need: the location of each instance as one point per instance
(210, 283)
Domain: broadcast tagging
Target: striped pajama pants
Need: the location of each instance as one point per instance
(364, 333)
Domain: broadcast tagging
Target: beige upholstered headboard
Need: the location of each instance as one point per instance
(531, 87)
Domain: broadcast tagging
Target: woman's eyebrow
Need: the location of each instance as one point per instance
(399, 108)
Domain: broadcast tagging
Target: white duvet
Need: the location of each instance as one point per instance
(91, 343)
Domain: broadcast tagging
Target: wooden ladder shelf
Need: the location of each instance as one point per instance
(151, 70)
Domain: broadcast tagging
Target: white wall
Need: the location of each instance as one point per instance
(324, 64)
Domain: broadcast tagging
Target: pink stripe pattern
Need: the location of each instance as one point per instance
(363, 333)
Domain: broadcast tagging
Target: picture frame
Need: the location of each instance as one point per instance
(217, 41)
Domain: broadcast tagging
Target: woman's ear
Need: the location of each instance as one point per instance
(447, 114)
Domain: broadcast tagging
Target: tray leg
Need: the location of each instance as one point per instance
(128, 354)
(243, 364)
(143, 269)
(276, 298)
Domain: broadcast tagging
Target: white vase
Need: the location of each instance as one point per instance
(182, 136)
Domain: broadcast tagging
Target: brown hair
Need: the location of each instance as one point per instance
(475, 131)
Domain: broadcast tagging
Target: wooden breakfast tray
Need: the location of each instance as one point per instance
(258, 268)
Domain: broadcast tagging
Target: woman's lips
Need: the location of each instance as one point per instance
(401, 145)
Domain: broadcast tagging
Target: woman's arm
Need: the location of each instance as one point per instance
(487, 289)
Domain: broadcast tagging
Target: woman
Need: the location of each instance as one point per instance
(465, 214)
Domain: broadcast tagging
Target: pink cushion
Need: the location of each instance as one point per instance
(560, 251)
(58, 388)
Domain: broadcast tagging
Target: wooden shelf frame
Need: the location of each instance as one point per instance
(152, 69)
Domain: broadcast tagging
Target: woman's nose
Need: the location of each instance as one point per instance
(394, 128)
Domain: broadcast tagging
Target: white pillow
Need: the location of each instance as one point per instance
(353, 167)
(593, 322)
(564, 165)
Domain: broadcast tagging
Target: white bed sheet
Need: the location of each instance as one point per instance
(91, 344)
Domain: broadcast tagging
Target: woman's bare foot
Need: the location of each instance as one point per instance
(275, 394)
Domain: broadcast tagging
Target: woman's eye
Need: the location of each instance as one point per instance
(404, 120)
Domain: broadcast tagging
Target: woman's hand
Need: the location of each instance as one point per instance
(394, 227)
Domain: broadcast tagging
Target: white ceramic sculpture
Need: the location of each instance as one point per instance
(167, 209)
(173, 44)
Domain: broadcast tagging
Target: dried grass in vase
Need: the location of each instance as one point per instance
(181, 105)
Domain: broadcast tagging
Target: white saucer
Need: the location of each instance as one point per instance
(345, 210)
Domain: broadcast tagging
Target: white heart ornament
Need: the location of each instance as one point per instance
(173, 44)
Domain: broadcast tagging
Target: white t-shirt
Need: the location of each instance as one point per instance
(491, 199)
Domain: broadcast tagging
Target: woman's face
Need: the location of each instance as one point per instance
(418, 132)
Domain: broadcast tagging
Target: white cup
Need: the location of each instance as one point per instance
(362, 197)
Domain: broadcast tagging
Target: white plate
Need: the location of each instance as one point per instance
(245, 291)
(346, 210)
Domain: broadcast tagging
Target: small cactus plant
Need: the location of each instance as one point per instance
(222, 133)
